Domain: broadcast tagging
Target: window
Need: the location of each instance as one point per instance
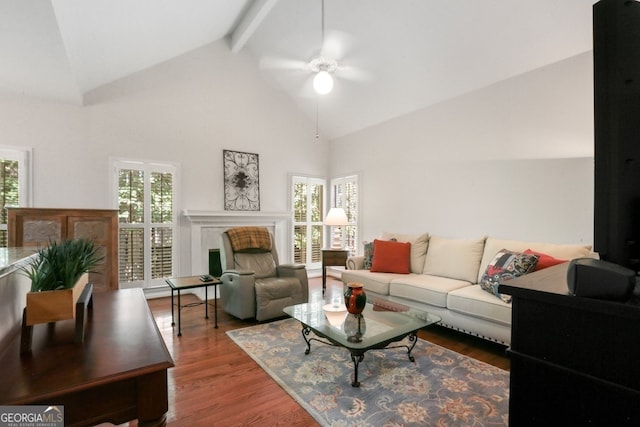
(146, 198)
(308, 212)
(14, 184)
(344, 194)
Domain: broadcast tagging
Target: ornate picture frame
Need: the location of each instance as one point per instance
(241, 181)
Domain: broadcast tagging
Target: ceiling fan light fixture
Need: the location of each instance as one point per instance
(323, 67)
(323, 82)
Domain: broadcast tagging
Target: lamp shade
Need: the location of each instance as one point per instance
(323, 82)
(336, 216)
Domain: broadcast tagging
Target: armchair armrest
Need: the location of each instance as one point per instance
(355, 262)
(299, 271)
(292, 266)
(238, 272)
(237, 293)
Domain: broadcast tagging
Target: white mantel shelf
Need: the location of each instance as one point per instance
(225, 216)
(207, 226)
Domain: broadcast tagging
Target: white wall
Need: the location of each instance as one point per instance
(187, 111)
(513, 160)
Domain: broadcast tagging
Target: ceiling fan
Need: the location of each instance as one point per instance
(325, 65)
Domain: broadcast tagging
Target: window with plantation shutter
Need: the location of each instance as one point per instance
(344, 194)
(14, 184)
(147, 222)
(307, 199)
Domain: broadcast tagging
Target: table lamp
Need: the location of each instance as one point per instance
(336, 217)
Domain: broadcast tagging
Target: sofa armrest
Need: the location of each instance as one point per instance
(355, 262)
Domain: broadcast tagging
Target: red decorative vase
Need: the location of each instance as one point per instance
(354, 298)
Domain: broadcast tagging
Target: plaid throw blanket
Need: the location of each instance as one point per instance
(249, 238)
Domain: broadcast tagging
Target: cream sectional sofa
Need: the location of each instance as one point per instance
(444, 276)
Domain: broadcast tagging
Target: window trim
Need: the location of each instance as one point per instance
(349, 177)
(25, 175)
(149, 166)
(25, 170)
(299, 177)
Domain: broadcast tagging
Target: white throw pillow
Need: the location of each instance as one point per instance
(454, 258)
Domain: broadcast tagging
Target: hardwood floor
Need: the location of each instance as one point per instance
(215, 383)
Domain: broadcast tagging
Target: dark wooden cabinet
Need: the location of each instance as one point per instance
(330, 257)
(574, 361)
(35, 227)
(616, 58)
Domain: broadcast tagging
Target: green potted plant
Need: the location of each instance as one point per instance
(55, 273)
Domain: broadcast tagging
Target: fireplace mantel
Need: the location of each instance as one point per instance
(207, 226)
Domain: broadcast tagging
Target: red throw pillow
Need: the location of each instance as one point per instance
(544, 260)
(391, 257)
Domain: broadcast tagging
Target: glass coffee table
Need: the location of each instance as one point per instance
(381, 323)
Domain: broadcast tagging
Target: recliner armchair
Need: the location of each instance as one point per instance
(254, 284)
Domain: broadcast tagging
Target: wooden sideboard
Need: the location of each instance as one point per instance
(119, 372)
(574, 360)
(35, 227)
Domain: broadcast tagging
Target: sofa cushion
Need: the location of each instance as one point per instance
(568, 252)
(390, 257)
(506, 265)
(473, 301)
(419, 245)
(454, 258)
(544, 260)
(425, 288)
(376, 282)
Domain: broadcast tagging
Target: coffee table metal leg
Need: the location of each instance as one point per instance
(413, 337)
(305, 333)
(357, 358)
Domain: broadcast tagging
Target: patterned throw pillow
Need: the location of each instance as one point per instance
(506, 265)
(368, 255)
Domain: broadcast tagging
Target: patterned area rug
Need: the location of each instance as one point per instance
(442, 388)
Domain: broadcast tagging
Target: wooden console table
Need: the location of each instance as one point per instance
(574, 360)
(337, 257)
(119, 372)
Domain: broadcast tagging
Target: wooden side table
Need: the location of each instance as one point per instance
(332, 257)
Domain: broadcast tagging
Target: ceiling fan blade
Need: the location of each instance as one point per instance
(355, 74)
(337, 44)
(279, 63)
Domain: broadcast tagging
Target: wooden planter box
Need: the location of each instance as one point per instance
(51, 306)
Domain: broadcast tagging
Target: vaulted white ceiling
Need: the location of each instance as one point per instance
(397, 56)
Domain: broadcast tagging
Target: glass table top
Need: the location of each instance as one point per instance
(380, 321)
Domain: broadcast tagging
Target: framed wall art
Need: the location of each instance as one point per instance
(241, 181)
